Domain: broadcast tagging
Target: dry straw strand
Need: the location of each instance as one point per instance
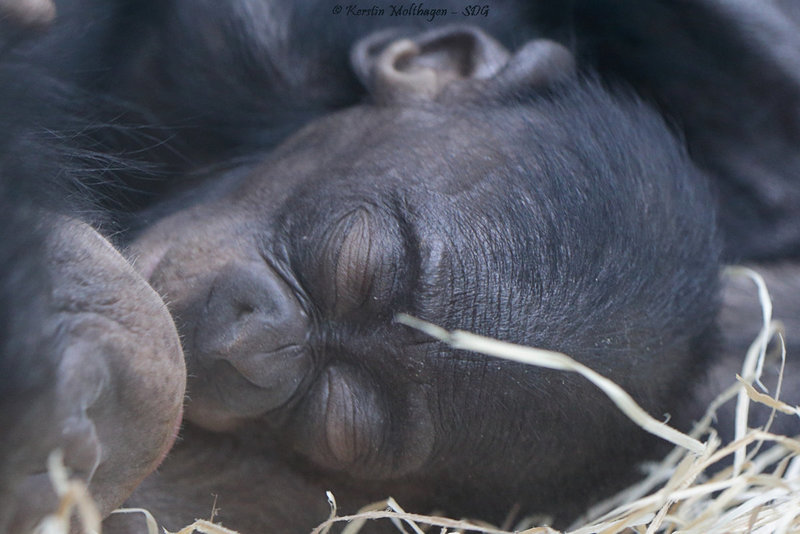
(459, 339)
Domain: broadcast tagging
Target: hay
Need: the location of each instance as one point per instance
(73, 497)
(459, 339)
(758, 493)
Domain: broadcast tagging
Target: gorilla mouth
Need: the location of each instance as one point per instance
(246, 387)
(279, 371)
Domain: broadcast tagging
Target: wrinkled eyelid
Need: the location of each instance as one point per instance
(355, 267)
(370, 261)
(356, 258)
(365, 260)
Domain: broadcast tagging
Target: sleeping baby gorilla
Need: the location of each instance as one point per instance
(493, 192)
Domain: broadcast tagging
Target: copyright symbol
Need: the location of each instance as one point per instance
(337, 9)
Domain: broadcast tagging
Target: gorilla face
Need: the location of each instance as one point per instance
(531, 221)
(480, 190)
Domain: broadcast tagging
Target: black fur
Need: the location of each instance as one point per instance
(123, 113)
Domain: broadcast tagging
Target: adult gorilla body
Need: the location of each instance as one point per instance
(75, 372)
(233, 79)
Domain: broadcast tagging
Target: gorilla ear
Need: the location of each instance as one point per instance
(398, 67)
(420, 66)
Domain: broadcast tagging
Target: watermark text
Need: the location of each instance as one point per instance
(429, 13)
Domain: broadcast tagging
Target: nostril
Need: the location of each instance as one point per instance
(243, 310)
(249, 310)
(245, 344)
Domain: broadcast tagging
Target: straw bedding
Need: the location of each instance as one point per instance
(758, 492)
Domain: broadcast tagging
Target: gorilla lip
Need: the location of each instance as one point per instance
(284, 366)
(235, 390)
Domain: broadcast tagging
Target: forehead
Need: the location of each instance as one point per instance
(431, 148)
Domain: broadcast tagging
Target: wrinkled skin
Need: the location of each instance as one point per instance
(115, 393)
(303, 401)
(493, 216)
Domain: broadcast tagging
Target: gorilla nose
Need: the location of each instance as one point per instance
(252, 320)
